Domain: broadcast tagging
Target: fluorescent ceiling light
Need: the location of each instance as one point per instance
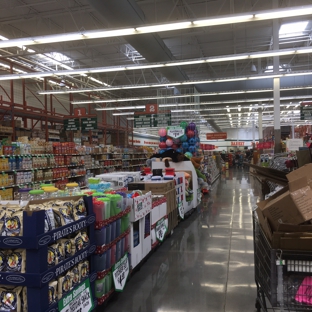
(123, 114)
(225, 58)
(220, 20)
(293, 29)
(190, 82)
(119, 108)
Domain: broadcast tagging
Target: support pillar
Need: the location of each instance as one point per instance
(260, 125)
(276, 86)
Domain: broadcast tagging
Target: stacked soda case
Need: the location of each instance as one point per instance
(112, 239)
(46, 253)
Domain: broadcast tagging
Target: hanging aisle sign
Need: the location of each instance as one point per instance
(121, 272)
(71, 124)
(175, 132)
(152, 120)
(78, 300)
(161, 230)
(89, 123)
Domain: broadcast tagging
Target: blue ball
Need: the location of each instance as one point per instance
(162, 151)
(162, 139)
(192, 141)
(179, 150)
(192, 149)
(183, 138)
(185, 145)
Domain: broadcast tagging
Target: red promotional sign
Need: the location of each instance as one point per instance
(237, 143)
(80, 112)
(216, 136)
(151, 108)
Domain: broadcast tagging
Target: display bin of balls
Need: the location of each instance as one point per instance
(46, 252)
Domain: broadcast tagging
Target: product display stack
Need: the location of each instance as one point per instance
(112, 235)
(46, 254)
(210, 170)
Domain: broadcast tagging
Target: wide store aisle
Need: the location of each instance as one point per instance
(207, 264)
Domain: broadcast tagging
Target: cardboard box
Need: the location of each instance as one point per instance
(146, 237)
(115, 179)
(157, 187)
(140, 206)
(287, 236)
(135, 251)
(291, 205)
(155, 214)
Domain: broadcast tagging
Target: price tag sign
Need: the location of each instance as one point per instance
(120, 273)
(181, 210)
(175, 132)
(161, 229)
(78, 300)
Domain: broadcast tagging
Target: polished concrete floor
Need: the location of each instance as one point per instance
(207, 264)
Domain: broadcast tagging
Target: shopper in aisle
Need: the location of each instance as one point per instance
(207, 264)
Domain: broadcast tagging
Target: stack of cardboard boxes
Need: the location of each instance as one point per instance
(286, 217)
(163, 187)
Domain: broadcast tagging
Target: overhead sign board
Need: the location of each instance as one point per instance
(152, 120)
(306, 111)
(216, 136)
(237, 143)
(71, 124)
(151, 108)
(89, 123)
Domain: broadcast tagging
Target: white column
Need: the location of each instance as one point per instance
(260, 124)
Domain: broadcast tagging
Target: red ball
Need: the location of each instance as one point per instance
(190, 134)
(162, 145)
(174, 146)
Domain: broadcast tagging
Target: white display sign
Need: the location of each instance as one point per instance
(161, 230)
(294, 144)
(120, 273)
(175, 132)
(181, 210)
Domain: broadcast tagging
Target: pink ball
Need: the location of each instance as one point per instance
(162, 132)
(162, 145)
(190, 134)
(169, 142)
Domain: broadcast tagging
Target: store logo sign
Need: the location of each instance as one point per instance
(44, 240)
(47, 277)
(92, 249)
(15, 279)
(91, 220)
(12, 241)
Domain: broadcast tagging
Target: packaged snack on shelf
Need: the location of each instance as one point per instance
(77, 244)
(85, 239)
(52, 255)
(16, 260)
(52, 292)
(13, 224)
(64, 285)
(10, 299)
(66, 245)
(75, 276)
(79, 210)
(2, 260)
(83, 269)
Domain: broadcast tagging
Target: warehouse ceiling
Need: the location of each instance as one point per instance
(218, 94)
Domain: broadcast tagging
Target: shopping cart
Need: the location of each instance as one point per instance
(283, 278)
